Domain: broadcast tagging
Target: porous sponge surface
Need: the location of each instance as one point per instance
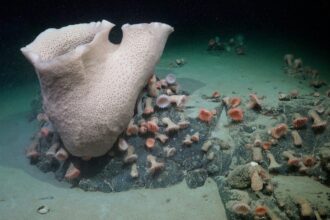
(90, 94)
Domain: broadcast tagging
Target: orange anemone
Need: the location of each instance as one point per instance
(150, 143)
(299, 122)
(279, 130)
(234, 101)
(205, 115)
(260, 210)
(152, 126)
(216, 94)
(266, 145)
(236, 114)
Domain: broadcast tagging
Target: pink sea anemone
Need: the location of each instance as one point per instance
(299, 121)
(150, 143)
(163, 101)
(205, 115)
(170, 79)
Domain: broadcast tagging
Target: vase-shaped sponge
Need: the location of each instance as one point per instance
(89, 85)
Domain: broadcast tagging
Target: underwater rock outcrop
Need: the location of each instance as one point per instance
(89, 85)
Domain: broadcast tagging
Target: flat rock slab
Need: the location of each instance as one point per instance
(315, 192)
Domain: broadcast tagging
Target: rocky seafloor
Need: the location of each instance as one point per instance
(243, 169)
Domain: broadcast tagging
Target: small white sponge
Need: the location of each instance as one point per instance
(89, 85)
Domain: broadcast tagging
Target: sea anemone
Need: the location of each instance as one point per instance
(31, 151)
(279, 130)
(163, 101)
(297, 140)
(299, 121)
(260, 210)
(215, 94)
(161, 137)
(155, 166)
(130, 156)
(297, 63)
(254, 102)
(179, 100)
(152, 125)
(171, 126)
(62, 154)
(152, 86)
(234, 102)
(132, 129)
(187, 140)
(169, 151)
(309, 160)
(195, 137)
(143, 126)
(205, 115)
(183, 124)
(266, 145)
(241, 208)
(73, 172)
(294, 94)
(170, 79)
(150, 143)
(288, 59)
(148, 109)
(292, 160)
(122, 145)
(256, 181)
(134, 171)
(318, 123)
(236, 114)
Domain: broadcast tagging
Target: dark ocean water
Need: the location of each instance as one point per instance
(305, 23)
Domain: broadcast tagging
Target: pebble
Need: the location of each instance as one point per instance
(43, 209)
